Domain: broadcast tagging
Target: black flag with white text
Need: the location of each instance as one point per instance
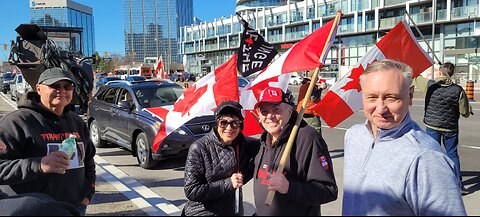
(254, 53)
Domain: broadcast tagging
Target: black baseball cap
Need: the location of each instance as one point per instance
(233, 106)
(52, 75)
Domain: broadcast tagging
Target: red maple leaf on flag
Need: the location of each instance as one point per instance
(190, 98)
(355, 82)
(249, 41)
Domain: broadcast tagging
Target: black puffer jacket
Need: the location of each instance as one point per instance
(208, 170)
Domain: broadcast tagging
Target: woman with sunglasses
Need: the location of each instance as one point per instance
(219, 164)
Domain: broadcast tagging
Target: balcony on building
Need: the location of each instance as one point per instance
(331, 8)
(422, 13)
(468, 11)
(390, 18)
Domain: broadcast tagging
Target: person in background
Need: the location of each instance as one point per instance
(445, 102)
(310, 116)
(308, 179)
(32, 162)
(391, 166)
(219, 164)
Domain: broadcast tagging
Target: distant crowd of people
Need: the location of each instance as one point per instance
(391, 165)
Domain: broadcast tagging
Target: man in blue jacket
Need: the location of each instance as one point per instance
(391, 166)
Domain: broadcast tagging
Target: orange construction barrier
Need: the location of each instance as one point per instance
(469, 91)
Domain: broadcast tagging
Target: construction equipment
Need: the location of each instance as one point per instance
(33, 52)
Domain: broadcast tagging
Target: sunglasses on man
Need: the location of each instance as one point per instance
(67, 87)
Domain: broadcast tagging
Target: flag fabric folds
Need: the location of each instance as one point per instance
(305, 55)
(160, 69)
(254, 53)
(345, 97)
(200, 99)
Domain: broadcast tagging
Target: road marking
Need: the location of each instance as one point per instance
(9, 102)
(144, 198)
(337, 128)
(472, 147)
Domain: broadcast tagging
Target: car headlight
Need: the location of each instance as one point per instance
(157, 125)
(181, 132)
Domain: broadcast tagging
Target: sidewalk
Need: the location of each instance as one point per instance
(109, 202)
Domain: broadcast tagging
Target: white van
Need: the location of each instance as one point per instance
(19, 87)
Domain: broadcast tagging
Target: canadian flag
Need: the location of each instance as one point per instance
(199, 100)
(159, 69)
(345, 97)
(305, 55)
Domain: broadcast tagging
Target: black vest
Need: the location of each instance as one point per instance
(441, 106)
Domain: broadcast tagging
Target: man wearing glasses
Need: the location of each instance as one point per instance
(32, 161)
(308, 180)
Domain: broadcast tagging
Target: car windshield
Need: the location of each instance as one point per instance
(158, 96)
(242, 82)
(135, 78)
(111, 78)
(8, 76)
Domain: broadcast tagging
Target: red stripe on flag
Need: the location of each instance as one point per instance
(410, 52)
(332, 109)
(226, 82)
(251, 125)
(308, 50)
(162, 133)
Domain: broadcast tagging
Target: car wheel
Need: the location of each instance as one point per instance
(95, 136)
(4, 91)
(144, 155)
(295, 82)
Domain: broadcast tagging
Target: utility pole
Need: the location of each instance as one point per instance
(131, 34)
(156, 28)
(168, 38)
(434, 19)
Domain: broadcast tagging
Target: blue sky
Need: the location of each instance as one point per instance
(108, 15)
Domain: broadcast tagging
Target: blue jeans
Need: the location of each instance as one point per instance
(82, 209)
(450, 141)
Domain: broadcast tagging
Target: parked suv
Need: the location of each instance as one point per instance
(18, 87)
(117, 115)
(5, 80)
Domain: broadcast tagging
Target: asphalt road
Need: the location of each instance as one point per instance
(166, 180)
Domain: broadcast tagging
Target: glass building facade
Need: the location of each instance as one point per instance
(66, 13)
(453, 25)
(151, 28)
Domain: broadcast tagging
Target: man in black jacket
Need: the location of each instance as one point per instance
(33, 204)
(308, 180)
(444, 103)
(32, 162)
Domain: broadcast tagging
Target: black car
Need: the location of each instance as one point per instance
(117, 115)
(5, 80)
(104, 80)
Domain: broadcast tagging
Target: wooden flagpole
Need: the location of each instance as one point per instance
(293, 134)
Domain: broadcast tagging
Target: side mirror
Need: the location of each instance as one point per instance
(125, 105)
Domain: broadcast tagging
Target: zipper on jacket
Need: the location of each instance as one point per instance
(370, 150)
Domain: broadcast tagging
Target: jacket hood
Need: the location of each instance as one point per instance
(31, 100)
(285, 134)
(444, 81)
